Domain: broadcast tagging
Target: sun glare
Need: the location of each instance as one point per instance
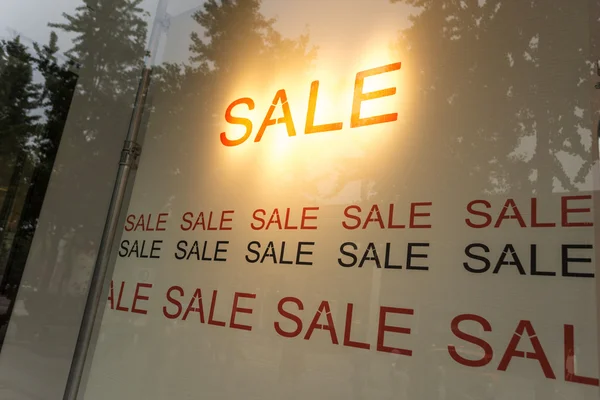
(325, 137)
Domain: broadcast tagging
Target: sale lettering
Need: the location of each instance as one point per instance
(177, 300)
(508, 260)
(381, 217)
(280, 100)
(354, 255)
(146, 223)
(207, 221)
(575, 211)
(201, 251)
(140, 249)
(275, 253)
(294, 320)
(524, 336)
(284, 219)
(291, 309)
(136, 305)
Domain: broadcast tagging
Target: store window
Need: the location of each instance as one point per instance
(367, 199)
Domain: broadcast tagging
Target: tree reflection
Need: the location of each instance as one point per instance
(109, 43)
(501, 97)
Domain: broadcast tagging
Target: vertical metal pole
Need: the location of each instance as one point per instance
(129, 156)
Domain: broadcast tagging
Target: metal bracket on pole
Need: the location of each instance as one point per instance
(130, 154)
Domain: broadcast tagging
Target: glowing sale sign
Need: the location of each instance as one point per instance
(281, 100)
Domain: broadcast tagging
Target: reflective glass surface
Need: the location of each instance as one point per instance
(367, 199)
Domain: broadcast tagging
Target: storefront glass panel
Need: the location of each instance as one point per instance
(368, 199)
(65, 105)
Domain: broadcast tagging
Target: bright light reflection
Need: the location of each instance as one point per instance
(313, 156)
